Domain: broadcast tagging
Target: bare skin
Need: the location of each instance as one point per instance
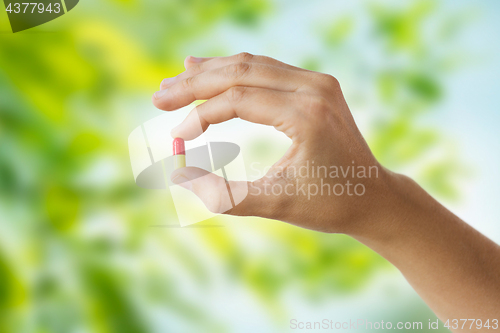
(453, 267)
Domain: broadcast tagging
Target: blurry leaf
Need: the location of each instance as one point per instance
(398, 142)
(401, 27)
(248, 12)
(13, 294)
(109, 307)
(12, 290)
(311, 64)
(387, 87)
(338, 31)
(440, 178)
(424, 87)
(84, 143)
(62, 206)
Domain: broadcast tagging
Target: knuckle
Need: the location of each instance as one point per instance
(236, 94)
(238, 70)
(196, 69)
(330, 79)
(330, 82)
(188, 82)
(244, 56)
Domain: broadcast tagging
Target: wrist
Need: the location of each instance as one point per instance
(395, 201)
(405, 218)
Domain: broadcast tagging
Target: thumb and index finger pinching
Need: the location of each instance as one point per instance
(218, 195)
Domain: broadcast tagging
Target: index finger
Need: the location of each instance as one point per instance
(257, 105)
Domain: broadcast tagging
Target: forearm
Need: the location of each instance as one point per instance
(453, 267)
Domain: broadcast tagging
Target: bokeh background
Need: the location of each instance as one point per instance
(83, 249)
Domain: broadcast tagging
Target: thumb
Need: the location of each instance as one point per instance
(222, 196)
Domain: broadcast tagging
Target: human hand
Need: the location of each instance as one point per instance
(310, 109)
(443, 258)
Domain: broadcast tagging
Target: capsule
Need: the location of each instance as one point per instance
(179, 153)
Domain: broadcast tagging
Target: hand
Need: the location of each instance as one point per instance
(452, 266)
(310, 109)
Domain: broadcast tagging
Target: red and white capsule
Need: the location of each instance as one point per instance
(179, 153)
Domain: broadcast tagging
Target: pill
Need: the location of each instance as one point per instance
(179, 153)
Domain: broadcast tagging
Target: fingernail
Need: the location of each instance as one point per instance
(182, 181)
(167, 81)
(160, 93)
(196, 59)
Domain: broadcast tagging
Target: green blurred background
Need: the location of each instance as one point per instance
(83, 249)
